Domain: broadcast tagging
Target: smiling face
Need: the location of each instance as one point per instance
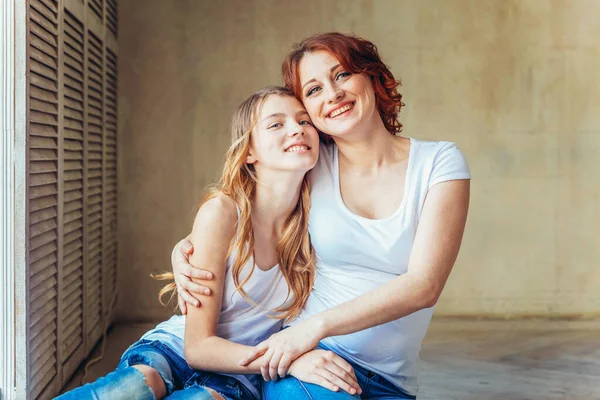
(283, 138)
(338, 102)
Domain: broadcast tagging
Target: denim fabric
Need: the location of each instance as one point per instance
(126, 383)
(373, 387)
(180, 380)
(226, 386)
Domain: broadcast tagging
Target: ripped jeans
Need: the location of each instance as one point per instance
(181, 381)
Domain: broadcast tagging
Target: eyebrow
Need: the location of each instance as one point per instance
(314, 80)
(274, 116)
(277, 115)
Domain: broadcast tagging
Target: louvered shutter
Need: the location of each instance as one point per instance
(72, 328)
(95, 89)
(96, 7)
(110, 181)
(72, 185)
(43, 143)
(112, 16)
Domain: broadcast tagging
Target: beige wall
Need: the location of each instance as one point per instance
(515, 83)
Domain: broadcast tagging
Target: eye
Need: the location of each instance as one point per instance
(305, 122)
(275, 125)
(312, 90)
(342, 74)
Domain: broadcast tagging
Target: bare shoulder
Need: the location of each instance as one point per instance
(221, 204)
(220, 210)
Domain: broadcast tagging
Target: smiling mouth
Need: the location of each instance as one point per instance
(297, 148)
(341, 110)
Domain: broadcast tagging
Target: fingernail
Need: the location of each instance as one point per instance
(209, 276)
(336, 388)
(207, 292)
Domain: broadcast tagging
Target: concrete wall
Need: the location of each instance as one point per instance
(515, 83)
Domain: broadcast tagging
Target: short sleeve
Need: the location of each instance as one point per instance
(449, 164)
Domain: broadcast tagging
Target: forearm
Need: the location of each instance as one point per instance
(398, 298)
(220, 355)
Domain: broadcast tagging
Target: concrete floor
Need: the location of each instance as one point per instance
(472, 359)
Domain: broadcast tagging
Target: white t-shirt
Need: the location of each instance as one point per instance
(356, 255)
(240, 321)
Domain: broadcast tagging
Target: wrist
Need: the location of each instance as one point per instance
(291, 368)
(319, 327)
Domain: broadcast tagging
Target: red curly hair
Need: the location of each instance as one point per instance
(356, 55)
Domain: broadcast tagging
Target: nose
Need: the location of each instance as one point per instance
(296, 130)
(334, 94)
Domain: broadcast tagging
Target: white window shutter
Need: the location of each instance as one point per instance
(72, 87)
(43, 137)
(73, 339)
(94, 196)
(110, 181)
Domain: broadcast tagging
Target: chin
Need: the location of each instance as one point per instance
(344, 129)
(303, 165)
(339, 132)
(341, 128)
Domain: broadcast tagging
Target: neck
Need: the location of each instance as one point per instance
(275, 198)
(370, 147)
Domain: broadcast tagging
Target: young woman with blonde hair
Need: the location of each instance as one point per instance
(251, 234)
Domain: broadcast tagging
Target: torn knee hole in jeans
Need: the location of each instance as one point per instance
(152, 379)
(144, 380)
(215, 395)
(205, 390)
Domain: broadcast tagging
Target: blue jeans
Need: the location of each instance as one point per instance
(373, 386)
(181, 381)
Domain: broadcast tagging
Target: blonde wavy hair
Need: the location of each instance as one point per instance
(238, 181)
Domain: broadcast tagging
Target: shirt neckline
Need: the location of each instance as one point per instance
(401, 207)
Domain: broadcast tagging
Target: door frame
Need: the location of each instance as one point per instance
(13, 204)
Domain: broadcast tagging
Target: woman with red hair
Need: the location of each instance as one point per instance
(387, 219)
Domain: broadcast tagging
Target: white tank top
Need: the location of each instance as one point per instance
(240, 321)
(356, 255)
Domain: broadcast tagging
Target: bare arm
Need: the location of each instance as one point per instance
(433, 254)
(437, 242)
(211, 236)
